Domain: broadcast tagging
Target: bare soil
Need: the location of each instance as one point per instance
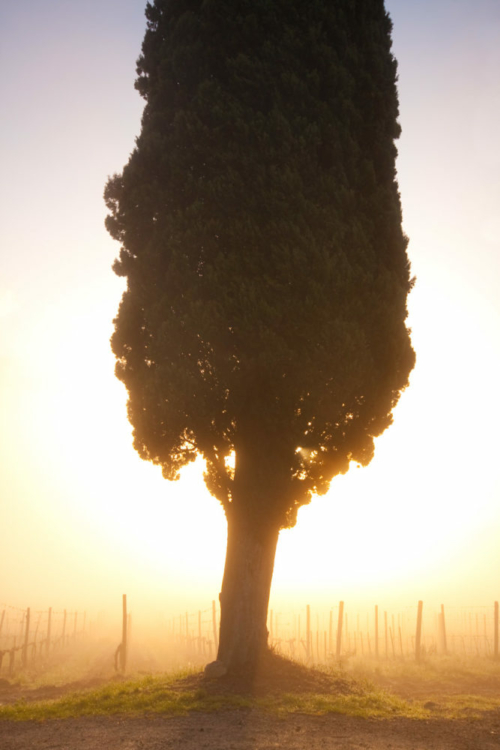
(250, 730)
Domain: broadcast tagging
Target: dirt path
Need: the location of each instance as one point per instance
(250, 730)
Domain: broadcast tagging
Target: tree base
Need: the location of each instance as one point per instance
(272, 675)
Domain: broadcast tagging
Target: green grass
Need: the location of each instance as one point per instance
(134, 697)
(158, 695)
(445, 687)
(372, 704)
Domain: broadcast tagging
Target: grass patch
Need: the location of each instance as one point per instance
(372, 704)
(159, 695)
(371, 691)
(133, 698)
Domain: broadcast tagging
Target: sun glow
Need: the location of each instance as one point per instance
(83, 516)
(398, 524)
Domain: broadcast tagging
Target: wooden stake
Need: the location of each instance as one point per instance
(317, 638)
(495, 637)
(418, 635)
(123, 650)
(392, 643)
(49, 629)
(443, 631)
(26, 638)
(214, 625)
(36, 634)
(376, 631)
(386, 636)
(1, 621)
(12, 656)
(339, 630)
(64, 628)
(308, 632)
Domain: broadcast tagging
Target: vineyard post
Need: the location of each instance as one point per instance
(339, 630)
(495, 647)
(1, 621)
(330, 633)
(63, 637)
(214, 626)
(308, 631)
(271, 627)
(443, 631)
(49, 631)
(376, 631)
(26, 638)
(386, 636)
(199, 632)
(12, 656)
(123, 650)
(36, 636)
(74, 626)
(418, 635)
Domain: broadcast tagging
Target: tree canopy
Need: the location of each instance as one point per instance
(260, 228)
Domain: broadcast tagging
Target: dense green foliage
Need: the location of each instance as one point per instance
(260, 224)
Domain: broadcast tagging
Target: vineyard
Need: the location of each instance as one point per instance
(323, 636)
(28, 639)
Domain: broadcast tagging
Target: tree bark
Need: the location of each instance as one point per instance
(244, 596)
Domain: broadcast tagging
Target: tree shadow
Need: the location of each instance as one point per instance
(272, 674)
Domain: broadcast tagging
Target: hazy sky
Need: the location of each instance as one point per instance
(83, 519)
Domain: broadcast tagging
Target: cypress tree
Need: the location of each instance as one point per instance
(263, 324)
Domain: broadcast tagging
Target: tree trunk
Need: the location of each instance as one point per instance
(244, 597)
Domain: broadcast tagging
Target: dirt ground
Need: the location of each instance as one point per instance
(250, 730)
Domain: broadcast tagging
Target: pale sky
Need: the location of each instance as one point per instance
(83, 519)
